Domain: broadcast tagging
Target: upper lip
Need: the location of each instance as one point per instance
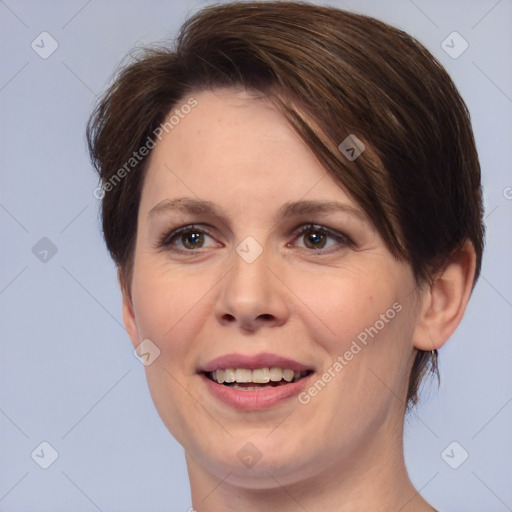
(263, 360)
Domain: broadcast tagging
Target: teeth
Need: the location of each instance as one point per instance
(243, 375)
(288, 375)
(276, 374)
(261, 375)
(258, 375)
(229, 375)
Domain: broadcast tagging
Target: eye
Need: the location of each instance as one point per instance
(186, 239)
(191, 238)
(317, 237)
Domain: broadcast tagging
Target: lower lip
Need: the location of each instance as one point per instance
(254, 400)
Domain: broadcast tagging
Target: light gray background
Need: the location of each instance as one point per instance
(67, 372)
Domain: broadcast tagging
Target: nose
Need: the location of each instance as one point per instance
(251, 296)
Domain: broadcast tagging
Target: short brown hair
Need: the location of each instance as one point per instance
(332, 73)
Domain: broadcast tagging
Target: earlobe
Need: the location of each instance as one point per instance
(445, 301)
(129, 321)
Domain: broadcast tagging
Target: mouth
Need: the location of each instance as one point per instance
(246, 379)
(257, 382)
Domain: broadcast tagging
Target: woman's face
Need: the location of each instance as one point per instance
(277, 267)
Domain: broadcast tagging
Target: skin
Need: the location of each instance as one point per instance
(343, 450)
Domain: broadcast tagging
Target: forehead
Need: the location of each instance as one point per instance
(236, 149)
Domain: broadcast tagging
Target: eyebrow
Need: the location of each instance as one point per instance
(290, 209)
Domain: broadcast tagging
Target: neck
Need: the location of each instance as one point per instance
(372, 477)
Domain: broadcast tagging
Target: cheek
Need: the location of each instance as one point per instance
(346, 306)
(170, 308)
(364, 325)
(364, 328)
(166, 305)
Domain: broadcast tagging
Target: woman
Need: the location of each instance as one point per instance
(292, 198)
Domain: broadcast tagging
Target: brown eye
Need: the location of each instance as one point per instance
(187, 239)
(321, 239)
(192, 239)
(315, 240)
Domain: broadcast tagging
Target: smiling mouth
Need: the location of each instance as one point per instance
(258, 379)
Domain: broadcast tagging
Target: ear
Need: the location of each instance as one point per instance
(444, 302)
(128, 311)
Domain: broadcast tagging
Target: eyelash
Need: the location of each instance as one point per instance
(166, 241)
